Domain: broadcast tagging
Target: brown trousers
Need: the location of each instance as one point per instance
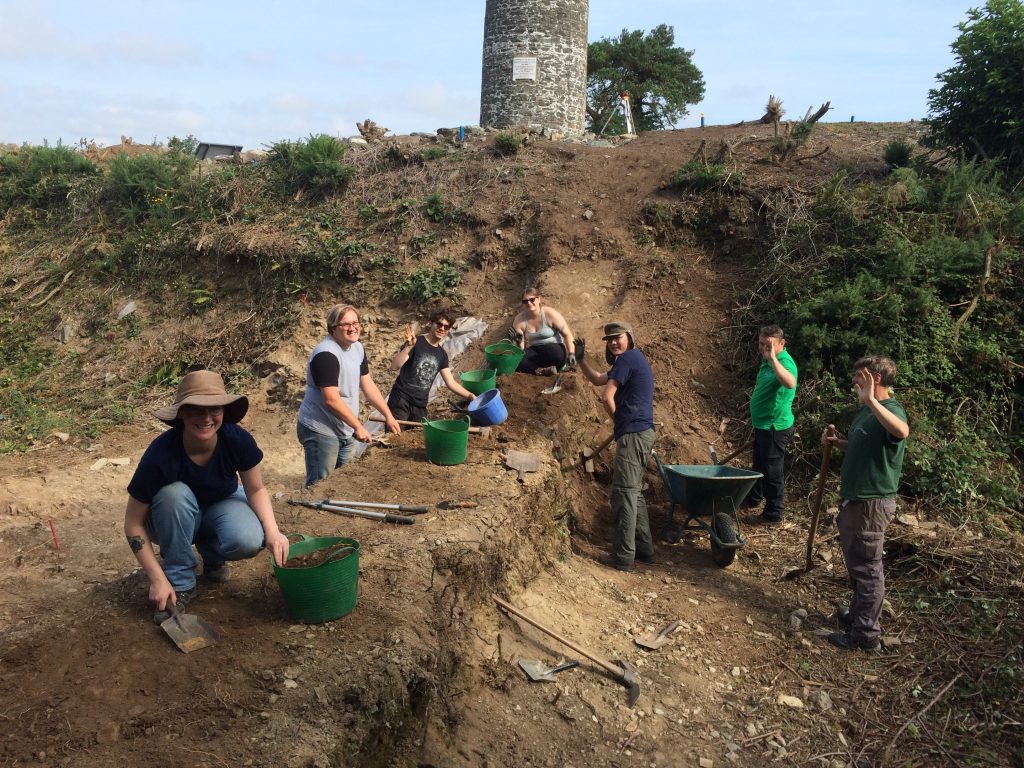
(862, 527)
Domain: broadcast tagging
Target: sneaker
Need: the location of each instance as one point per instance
(846, 642)
(183, 598)
(548, 371)
(217, 574)
(612, 562)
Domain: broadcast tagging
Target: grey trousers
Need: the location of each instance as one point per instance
(633, 529)
(862, 527)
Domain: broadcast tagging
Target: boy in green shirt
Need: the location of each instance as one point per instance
(771, 414)
(869, 479)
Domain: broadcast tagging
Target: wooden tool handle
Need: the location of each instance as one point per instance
(826, 454)
(381, 419)
(596, 659)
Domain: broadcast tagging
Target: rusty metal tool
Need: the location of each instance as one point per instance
(654, 641)
(538, 671)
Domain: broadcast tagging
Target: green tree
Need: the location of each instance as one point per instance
(660, 79)
(979, 110)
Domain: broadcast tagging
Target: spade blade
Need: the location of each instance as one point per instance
(189, 632)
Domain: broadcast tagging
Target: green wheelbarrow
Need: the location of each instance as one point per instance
(707, 491)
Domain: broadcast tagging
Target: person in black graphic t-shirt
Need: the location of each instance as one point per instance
(418, 362)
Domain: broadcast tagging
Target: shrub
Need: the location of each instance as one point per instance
(698, 176)
(507, 144)
(424, 284)
(313, 167)
(433, 153)
(897, 153)
(41, 176)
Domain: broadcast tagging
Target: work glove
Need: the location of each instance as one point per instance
(514, 336)
(571, 360)
(581, 350)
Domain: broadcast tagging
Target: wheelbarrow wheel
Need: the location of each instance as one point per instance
(725, 527)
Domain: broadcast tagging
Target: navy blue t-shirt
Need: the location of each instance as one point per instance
(634, 399)
(166, 462)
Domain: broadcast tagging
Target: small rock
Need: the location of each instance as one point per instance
(735, 672)
(62, 436)
(121, 461)
(706, 762)
(126, 310)
(98, 464)
(821, 700)
(588, 214)
(800, 613)
(289, 683)
(790, 701)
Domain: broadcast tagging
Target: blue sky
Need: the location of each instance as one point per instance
(256, 72)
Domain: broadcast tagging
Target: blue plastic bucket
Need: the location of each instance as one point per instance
(487, 410)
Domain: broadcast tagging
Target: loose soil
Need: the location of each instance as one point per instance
(423, 672)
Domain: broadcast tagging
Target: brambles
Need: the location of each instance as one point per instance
(425, 283)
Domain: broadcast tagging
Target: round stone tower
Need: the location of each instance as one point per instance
(535, 64)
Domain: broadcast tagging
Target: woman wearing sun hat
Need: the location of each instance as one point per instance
(185, 491)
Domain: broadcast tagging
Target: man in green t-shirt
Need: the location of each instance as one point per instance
(868, 482)
(771, 414)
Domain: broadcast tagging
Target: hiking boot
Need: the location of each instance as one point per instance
(646, 559)
(843, 617)
(613, 562)
(217, 574)
(183, 598)
(761, 520)
(844, 641)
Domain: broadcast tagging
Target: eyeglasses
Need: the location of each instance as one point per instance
(349, 326)
(530, 300)
(442, 326)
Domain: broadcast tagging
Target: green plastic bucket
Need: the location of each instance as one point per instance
(504, 357)
(479, 382)
(325, 591)
(446, 441)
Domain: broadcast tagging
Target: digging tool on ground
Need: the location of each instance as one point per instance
(384, 517)
(556, 387)
(523, 461)
(412, 509)
(826, 455)
(485, 431)
(188, 631)
(626, 674)
(537, 671)
(731, 456)
(654, 641)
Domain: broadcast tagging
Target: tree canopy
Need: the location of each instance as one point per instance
(660, 78)
(979, 109)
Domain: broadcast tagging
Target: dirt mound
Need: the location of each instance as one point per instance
(423, 671)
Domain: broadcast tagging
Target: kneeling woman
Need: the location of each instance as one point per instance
(543, 333)
(185, 491)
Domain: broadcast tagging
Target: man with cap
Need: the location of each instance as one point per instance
(628, 398)
(185, 491)
(337, 371)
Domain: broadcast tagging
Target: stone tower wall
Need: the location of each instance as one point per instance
(545, 39)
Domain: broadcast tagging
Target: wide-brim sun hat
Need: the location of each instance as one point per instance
(204, 388)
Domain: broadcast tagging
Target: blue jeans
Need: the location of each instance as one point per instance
(225, 530)
(324, 453)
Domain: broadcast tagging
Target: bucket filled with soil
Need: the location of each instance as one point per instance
(320, 579)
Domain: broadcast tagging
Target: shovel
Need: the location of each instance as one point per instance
(189, 632)
(475, 430)
(731, 456)
(523, 461)
(625, 674)
(655, 641)
(537, 671)
(327, 506)
(556, 387)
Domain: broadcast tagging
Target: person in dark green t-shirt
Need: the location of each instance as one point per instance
(771, 414)
(869, 479)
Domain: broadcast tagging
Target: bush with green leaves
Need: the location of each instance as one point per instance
(897, 153)
(930, 277)
(507, 144)
(978, 109)
(425, 283)
(143, 186)
(698, 176)
(313, 167)
(41, 176)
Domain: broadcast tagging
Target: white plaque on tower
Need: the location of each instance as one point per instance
(524, 68)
